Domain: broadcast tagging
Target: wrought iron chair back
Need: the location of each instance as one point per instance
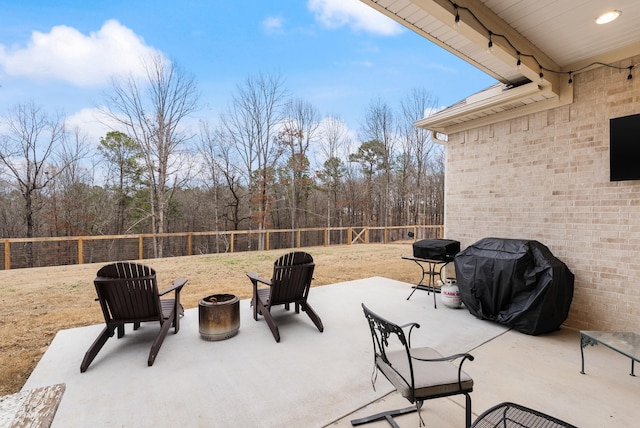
(386, 334)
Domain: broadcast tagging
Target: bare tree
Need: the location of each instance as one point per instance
(152, 113)
(250, 126)
(380, 126)
(301, 129)
(32, 156)
(418, 148)
(69, 194)
(334, 145)
(28, 154)
(11, 206)
(334, 137)
(225, 179)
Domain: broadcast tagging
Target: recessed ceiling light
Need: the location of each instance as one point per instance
(607, 17)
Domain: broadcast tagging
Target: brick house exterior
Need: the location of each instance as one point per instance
(545, 176)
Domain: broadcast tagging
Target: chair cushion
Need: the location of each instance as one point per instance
(432, 379)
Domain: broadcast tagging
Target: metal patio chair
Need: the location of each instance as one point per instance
(418, 374)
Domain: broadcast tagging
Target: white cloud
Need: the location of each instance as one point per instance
(87, 121)
(92, 122)
(272, 25)
(353, 13)
(431, 111)
(82, 60)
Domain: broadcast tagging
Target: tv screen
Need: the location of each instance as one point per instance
(624, 148)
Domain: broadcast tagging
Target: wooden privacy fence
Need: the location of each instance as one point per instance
(39, 252)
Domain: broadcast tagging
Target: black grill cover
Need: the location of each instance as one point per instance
(518, 283)
(438, 249)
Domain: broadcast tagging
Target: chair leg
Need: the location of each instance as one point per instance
(272, 325)
(177, 309)
(255, 308)
(468, 411)
(312, 314)
(260, 308)
(157, 343)
(97, 345)
(388, 416)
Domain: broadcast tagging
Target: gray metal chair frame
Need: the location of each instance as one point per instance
(128, 293)
(291, 281)
(405, 369)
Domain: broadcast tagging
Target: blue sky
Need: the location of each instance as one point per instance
(337, 54)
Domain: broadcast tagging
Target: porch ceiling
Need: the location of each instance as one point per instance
(552, 37)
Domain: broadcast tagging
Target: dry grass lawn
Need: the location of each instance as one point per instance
(38, 302)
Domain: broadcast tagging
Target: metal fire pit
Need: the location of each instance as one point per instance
(219, 316)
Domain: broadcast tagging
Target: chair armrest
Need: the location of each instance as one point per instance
(255, 278)
(448, 358)
(411, 326)
(176, 285)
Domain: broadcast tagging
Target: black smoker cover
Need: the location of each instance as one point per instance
(437, 249)
(518, 283)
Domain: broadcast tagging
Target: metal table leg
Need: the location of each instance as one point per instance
(431, 272)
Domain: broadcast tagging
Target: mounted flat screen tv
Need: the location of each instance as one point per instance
(624, 148)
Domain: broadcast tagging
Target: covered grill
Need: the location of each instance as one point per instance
(518, 283)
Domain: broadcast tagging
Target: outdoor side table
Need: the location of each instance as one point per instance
(433, 269)
(627, 344)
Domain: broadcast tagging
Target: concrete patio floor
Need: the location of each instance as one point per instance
(313, 379)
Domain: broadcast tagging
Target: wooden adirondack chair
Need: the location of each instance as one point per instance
(292, 275)
(128, 293)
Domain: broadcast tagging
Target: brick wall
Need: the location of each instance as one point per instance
(545, 176)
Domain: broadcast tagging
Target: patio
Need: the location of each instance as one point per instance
(313, 379)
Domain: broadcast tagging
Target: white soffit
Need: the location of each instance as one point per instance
(561, 34)
(488, 106)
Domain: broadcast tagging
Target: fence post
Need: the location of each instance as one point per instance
(349, 235)
(267, 240)
(232, 238)
(298, 238)
(140, 253)
(190, 244)
(7, 254)
(80, 248)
